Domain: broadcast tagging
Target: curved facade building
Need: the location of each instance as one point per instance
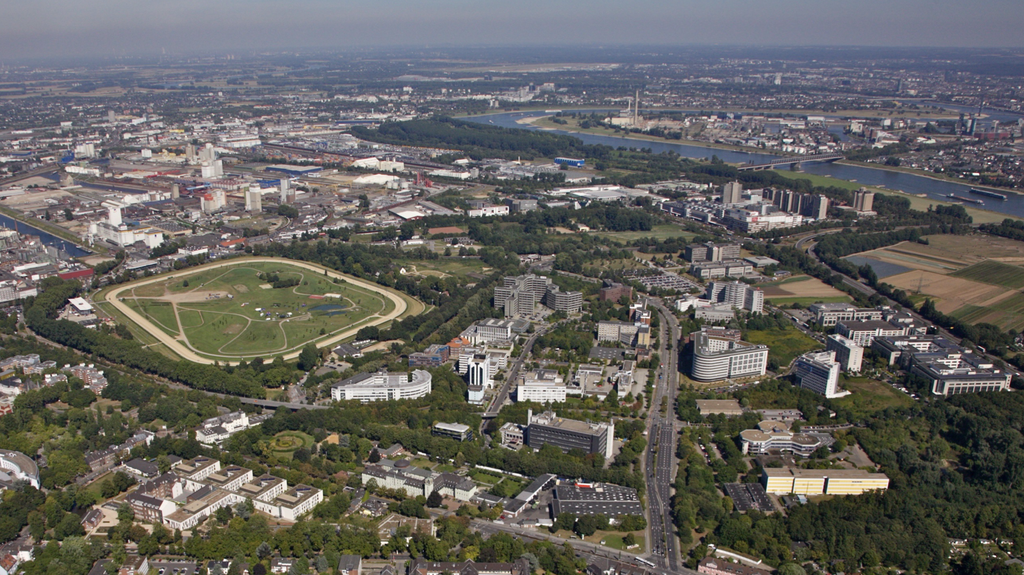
(18, 466)
(718, 354)
(382, 386)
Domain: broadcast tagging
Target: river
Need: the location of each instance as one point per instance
(904, 182)
(45, 237)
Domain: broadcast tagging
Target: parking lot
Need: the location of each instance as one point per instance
(747, 496)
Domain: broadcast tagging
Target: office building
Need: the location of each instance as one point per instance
(848, 354)
(775, 436)
(596, 499)
(421, 566)
(620, 331)
(737, 294)
(453, 431)
(18, 467)
(542, 386)
(400, 476)
(864, 332)
(489, 330)
(829, 314)
(819, 372)
(566, 434)
(292, 504)
(711, 252)
(718, 354)
(382, 386)
(435, 355)
(721, 269)
(520, 295)
(863, 200)
(791, 480)
(565, 301)
(732, 193)
(613, 291)
(480, 371)
(949, 368)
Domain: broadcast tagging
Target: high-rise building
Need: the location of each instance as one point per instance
(480, 371)
(711, 252)
(521, 294)
(732, 193)
(738, 295)
(819, 372)
(863, 200)
(254, 200)
(848, 353)
(815, 206)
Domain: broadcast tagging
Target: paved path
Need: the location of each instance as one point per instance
(184, 350)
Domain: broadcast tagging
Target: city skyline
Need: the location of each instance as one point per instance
(117, 28)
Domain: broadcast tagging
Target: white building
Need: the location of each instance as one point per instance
(719, 354)
(737, 294)
(479, 370)
(864, 332)
(819, 372)
(216, 429)
(291, 504)
(848, 353)
(382, 386)
(488, 330)
(542, 386)
(19, 467)
(254, 200)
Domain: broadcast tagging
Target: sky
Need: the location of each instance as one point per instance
(46, 28)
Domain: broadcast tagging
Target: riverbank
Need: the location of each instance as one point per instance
(933, 112)
(929, 175)
(545, 123)
(56, 231)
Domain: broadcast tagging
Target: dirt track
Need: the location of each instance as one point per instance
(187, 352)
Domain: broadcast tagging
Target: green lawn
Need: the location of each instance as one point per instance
(784, 344)
(660, 232)
(221, 315)
(871, 395)
(482, 477)
(286, 443)
(993, 272)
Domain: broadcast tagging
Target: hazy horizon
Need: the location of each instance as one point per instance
(49, 28)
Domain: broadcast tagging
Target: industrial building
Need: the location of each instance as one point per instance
(719, 354)
(596, 499)
(382, 386)
(567, 434)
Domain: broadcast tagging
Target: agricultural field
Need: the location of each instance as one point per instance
(254, 308)
(802, 290)
(974, 278)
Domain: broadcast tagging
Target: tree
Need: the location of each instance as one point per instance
(791, 569)
(308, 357)
(68, 214)
(374, 456)
(264, 550)
(435, 500)
(223, 515)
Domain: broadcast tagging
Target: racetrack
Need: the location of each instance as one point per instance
(186, 351)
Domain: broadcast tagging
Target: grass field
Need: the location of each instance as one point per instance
(784, 344)
(286, 443)
(236, 312)
(659, 232)
(993, 272)
(871, 395)
(806, 301)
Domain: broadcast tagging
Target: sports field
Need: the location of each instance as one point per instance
(975, 278)
(257, 307)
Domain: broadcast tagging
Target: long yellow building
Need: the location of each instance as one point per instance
(790, 480)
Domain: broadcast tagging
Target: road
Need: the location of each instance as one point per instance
(587, 551)
(502, 396)
(186, 351)
(660, 462)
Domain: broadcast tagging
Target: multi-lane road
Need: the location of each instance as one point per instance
(660, 460)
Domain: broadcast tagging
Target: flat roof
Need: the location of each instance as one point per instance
(821, 473)
(456, 427)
